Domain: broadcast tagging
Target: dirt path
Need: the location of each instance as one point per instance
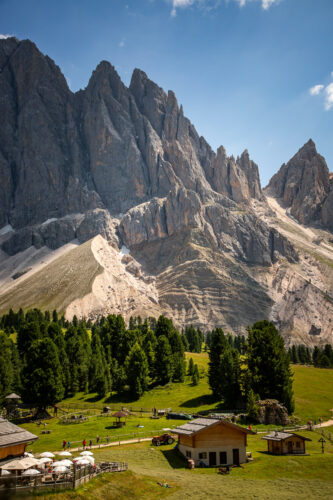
(101, 446)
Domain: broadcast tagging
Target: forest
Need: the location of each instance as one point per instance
(46, 358)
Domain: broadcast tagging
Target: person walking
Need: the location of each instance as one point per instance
(84, 444)
(68, 445)
(90, 443)
(107, 439)
(97, 439)
(64, 444)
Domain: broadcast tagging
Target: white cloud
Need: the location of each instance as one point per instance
(2, 36)
(316, 89)
(266, 4)
(332, 74)
(121, 44)
(329, 97)
(180, 4)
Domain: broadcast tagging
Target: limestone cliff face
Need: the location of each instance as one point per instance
(304, 185)
(126, 164)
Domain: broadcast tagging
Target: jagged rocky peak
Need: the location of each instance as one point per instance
(304, 185)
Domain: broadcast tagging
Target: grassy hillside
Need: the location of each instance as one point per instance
(56, 285)
(266, 477)
(313, 389)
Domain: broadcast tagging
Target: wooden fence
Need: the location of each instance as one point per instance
(46, 481)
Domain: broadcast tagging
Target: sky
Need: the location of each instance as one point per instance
(250, 74)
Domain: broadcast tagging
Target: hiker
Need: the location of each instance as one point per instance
(68, 444)
(108, 439)
(320, 420)
(84, 444)
(97, 439)
(90, 443)
(64, 444)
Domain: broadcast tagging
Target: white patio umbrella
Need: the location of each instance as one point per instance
(90, 459)
(30, 455)
(45, 460)
(5, 472)
(86, 453)
(61, 469)
(47, 454)
(82, 461)
(65, 454)
(57, 464)
(66, 463)
(30, 472)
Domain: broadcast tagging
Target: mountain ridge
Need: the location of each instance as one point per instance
(126, 164)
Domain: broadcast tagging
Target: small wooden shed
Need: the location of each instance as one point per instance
(285, 443)
(13, 439)
(213, 442)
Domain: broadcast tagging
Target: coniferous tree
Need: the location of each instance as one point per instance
(163, 361)
(7, 377)
(27, 334)
(195, 375)
(269, 364)
(252, 409)
(219, 345)
(190, 367)
(41, 374)
(136, 368)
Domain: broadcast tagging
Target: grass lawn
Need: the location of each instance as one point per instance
(266, 477)
(313, 389)
(102, 426)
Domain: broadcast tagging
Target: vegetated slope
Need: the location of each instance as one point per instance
(56, 285)
(313, 391)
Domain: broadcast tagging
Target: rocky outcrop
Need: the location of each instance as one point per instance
(304, 185)
(271, 412)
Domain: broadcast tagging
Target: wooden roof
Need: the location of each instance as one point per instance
(281, 436)
(199, 424)
(120, 414)
(11, 435)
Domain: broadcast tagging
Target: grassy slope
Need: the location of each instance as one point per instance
(56, 285)
(102, 426)
(313, 388)
(265, 477)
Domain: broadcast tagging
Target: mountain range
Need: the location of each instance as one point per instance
(110, 202)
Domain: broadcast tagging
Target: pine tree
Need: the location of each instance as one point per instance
(136, 368)
(163, 361)
(252, 409)
(27, 334)
(190, 367)
(41, 374)
(269, 364)
(179, 367)
(219, 345)
(7, 377)
(195, 375)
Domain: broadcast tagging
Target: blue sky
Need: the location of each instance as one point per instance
(242, 69)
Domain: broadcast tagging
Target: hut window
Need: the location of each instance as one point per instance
(298, 444)
(188, 454)
(202, 455)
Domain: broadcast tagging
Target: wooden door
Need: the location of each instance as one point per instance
(235, 456)
(223, 458)
(212, 458)
(290, 447)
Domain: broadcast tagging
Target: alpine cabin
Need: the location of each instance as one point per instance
(212, 442)
(285, 443)
(13, 439)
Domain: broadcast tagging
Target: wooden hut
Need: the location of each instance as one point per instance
(285, 443)
(13, 439)
(213, 442)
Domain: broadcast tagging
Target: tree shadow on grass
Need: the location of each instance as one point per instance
(207, 399)
(175, 458)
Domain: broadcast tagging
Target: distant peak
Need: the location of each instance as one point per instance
(309, 147)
